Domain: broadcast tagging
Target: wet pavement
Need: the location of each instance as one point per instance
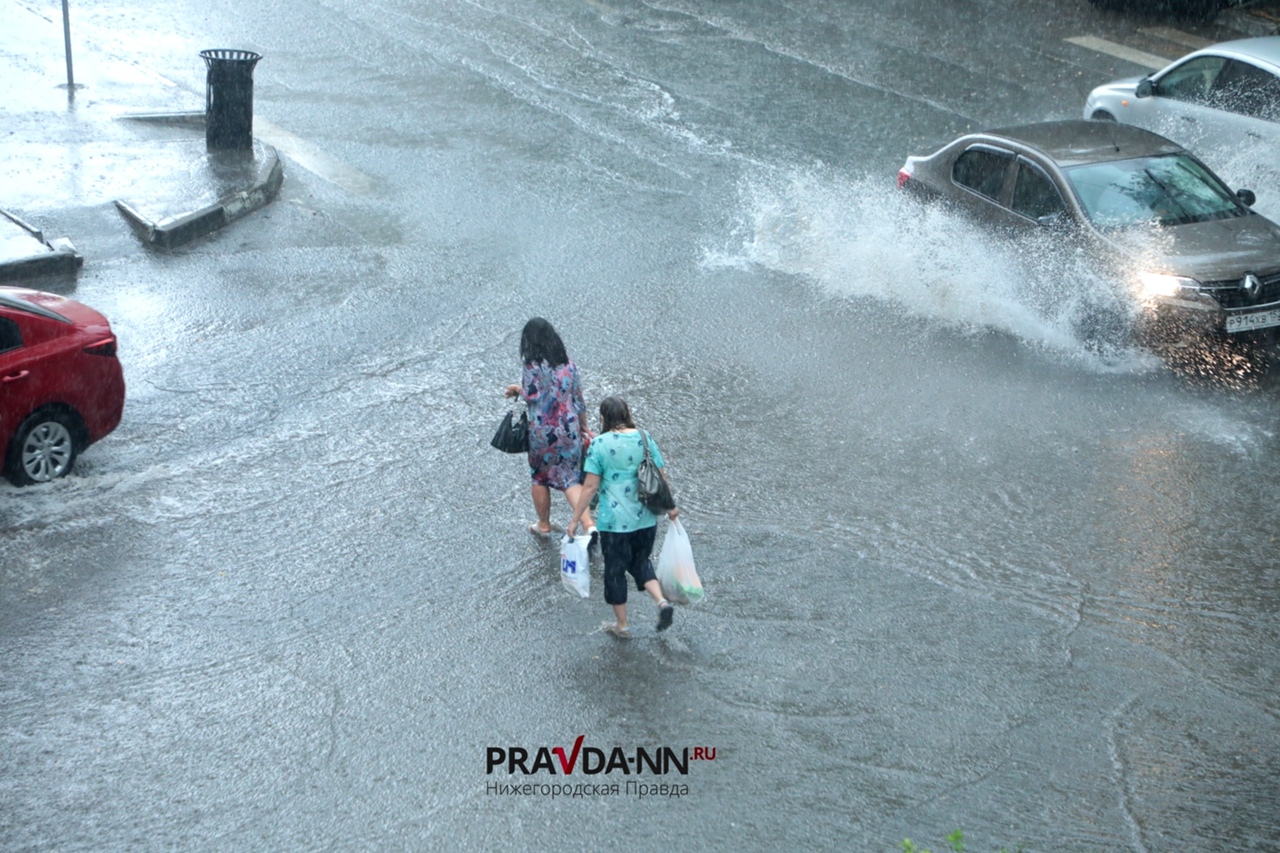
(155, 165)
(106, 142)
(961, 571)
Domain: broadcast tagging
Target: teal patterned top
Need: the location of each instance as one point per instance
(615, 457)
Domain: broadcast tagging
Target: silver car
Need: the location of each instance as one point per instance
(1196, 259)
(1222, 102)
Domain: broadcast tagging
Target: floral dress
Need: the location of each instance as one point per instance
(554, 397)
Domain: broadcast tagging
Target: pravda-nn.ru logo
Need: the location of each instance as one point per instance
(591, 760)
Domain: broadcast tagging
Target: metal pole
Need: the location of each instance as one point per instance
(66, 36)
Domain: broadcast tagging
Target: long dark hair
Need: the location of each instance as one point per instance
(614, 412)
(539, 342)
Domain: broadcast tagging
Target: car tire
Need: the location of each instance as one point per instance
(1101, 329)
(1102, 115)
(44, 448)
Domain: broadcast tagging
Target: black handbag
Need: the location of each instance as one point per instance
(512, 435)
(654, 492)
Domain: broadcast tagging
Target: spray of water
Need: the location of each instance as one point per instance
(1239, 162)
(1255, 170)
(860, 238)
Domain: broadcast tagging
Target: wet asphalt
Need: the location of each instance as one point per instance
(962, 571)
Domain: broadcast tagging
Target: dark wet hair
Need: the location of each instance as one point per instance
(614, 412)
(539, 342)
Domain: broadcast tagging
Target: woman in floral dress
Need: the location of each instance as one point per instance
(550, 387)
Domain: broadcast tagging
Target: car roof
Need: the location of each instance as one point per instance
(13, 297)
(1077, 141)
(1263, 49)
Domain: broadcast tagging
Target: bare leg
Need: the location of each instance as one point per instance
(542, 506)
(571, 494)
(620, 613)
(665, 611)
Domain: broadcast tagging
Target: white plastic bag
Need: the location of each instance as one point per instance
(575, 573)
(675, 571)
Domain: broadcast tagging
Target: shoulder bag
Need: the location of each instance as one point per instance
(654, 492)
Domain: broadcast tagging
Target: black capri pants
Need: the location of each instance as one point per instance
(626, 554)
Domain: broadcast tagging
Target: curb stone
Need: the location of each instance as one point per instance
(175, 231)
(49, 257)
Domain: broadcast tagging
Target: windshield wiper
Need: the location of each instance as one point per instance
(1176, 194)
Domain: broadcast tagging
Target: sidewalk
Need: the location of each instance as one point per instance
(127, 137)
(1253, 18)
(132, 139)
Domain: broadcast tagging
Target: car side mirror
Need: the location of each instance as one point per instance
(1146, 88)
(1057, 219)
(1247, 197)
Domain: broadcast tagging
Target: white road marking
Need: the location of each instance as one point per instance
(313, 159)
(1128, 54)
(1177, 37)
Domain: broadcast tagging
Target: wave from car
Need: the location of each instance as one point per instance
(1196, 261)
(61, 384)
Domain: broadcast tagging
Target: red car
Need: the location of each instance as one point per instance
(61, 386)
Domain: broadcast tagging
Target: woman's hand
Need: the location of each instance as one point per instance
(511, 391)
(673, 513)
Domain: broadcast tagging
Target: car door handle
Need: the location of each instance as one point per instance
(1252, 135)
(1188, 119)
(13, 377)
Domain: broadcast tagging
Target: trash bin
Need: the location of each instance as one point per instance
(228, 101)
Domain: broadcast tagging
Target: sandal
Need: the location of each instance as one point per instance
(665, 614)
(620, 633)
(536, 531)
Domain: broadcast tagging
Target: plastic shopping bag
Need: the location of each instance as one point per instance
(675, 571)
(575, 574)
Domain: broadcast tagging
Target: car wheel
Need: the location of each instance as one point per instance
(43, 449)
(1102, 115)
(1103, 329)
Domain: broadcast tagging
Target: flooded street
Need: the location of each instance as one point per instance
(963, 569)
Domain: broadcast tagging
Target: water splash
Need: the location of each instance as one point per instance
(860, 237)
(1255, 170)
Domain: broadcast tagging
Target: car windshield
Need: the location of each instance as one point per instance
(1171, 189)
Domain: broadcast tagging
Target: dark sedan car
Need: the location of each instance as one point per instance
(61, 386)
(1196, 258)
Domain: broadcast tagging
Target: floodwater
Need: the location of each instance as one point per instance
(963, 569)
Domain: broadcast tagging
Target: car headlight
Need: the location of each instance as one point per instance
(1155, 284)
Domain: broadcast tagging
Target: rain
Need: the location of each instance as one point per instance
(964, 567)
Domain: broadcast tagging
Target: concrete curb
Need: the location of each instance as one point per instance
(186, 118)
(178, 230)
(48, 257)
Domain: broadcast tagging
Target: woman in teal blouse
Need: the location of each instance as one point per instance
(626, 527)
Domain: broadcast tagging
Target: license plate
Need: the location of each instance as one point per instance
(1256, 320)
